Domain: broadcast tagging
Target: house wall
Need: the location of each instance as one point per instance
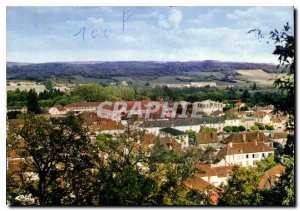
(55, 111)
(247, 159)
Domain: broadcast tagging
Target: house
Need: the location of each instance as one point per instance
(153, 126)
(203, 84)
(118, 110)
(207, 139)
(124, 83)
(241, 114)
(178, 135)
(209, 106)
(279, 137)
(100, 125)
(244, 154)
(267, 109)
(245, 137)
(57, 110)
(239, 105)
(216, 176)
(218, 113)
(279, 121)
(271, 176)
(172, 144)
(146, 143)
(196, 183)
(262, 118)
(80, 107)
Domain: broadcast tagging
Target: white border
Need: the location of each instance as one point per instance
(105, 3)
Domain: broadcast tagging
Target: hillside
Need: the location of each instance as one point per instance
(102, 70)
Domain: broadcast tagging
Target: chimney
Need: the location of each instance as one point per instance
(230, 144)
(256, 143)
(257, 136)
(244, 137)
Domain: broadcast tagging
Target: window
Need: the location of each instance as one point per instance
(263, 155)
(255, 155)
(247, 156)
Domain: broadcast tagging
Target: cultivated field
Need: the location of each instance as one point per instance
(258, 76)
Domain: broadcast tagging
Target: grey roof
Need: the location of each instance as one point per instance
(182, 122)
(172, 131)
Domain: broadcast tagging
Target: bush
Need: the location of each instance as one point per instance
(254, 128)
(227, 129)
(242, 128)
(269, 127)
(261, 127)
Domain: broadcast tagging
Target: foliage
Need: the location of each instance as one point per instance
(234, 129)
(241, 187)
(32, 102)
(261, 127)
(269, 127)
(191, 133)
(254, 127)
(59, 152)
(266, 164)
(245, 108)
(73, 169)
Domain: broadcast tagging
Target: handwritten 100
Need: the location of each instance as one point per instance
(94, 32)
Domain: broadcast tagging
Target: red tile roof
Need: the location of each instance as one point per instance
(196, 183)
(270, 176)
(260, 114)
(83, 104)
(207, 138)
(60, 108)
(241, 148)
(246, 137)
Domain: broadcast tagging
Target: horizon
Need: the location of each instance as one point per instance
(143, 61)
(68, 34)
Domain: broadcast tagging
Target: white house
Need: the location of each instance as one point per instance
(214, 175)
(209, 106)
(80, 107)
(57, 110)
(244, 154)
(178, 135)
(262, 118)
(278, 137)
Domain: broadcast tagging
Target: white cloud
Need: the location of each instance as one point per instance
(128, 39)
(266, 18)
(164, 23)
(96, 21)
(175, 17)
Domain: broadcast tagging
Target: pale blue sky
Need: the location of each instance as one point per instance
(46, 34)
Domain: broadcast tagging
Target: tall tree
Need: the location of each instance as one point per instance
(32, 102)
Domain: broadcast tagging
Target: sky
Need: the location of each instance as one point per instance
(58, 34)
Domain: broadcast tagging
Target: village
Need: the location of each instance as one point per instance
(242, 138)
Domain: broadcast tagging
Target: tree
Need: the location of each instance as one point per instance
(242, 187)
(227, 129)
(191, 133)
(254, 86)
(242, 128)
(266, 164)
(285, 50)
(245, 96)
(60, 153)
(32, 102)
(245, 108)
(261, 127)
